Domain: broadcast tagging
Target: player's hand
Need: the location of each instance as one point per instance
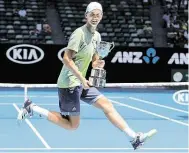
(98, 64)
(86, 84)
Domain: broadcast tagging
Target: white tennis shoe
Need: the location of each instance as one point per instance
(26, 110)
(141, 138)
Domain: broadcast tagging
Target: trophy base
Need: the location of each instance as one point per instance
(97, 82)
(98, 73)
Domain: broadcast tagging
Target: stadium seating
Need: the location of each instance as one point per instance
(14, 29)
(178, 23)
(121, 21)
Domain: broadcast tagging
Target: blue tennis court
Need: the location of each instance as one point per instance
(143, 109)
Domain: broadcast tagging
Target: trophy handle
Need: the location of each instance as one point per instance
(112, 45)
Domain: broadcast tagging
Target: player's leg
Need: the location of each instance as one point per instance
(136, 139)
(69, 106)
(94, 97)
(66, 122)
(113, 116)
(54, 117)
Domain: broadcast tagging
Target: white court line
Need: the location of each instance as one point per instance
(21, 96)
(155, 104)
(41, 104)
(151, 113)
(34, 129)
(34, 96)
(45, 104)
(92, 149)
(135, 108)
(14, 96)
(5, 103)
(103, 152)
(100, 152)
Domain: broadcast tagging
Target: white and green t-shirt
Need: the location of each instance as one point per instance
(83, 43)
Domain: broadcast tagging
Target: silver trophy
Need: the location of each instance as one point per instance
(98, 75)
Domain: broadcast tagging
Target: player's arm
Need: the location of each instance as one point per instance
(96, 62)
(95, 59)
(69, 63)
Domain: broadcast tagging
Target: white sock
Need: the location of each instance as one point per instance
(130, 132)
(40, 110)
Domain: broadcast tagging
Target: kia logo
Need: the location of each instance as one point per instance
(60, 53)
(25, 54)
(181, 97)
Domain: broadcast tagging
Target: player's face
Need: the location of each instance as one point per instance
(94, 17)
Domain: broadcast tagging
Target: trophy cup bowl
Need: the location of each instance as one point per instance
(98, 75)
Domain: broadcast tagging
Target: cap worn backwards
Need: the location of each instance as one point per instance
(92, 6)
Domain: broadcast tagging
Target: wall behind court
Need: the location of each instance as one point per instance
(41, 64)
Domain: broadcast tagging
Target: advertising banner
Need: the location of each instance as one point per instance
(26, 63)
(179, 75)
(144, 64)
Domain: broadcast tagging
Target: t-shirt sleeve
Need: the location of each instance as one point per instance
(74, 41)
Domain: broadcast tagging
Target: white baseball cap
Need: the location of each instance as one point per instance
(92, 6)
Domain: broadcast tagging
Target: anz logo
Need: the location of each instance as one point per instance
(151, 56)
(136, 57)
(25, 54)
(179, 59)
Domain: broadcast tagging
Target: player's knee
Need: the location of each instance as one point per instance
(74, 126)
(108, 107)
(74, 123)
